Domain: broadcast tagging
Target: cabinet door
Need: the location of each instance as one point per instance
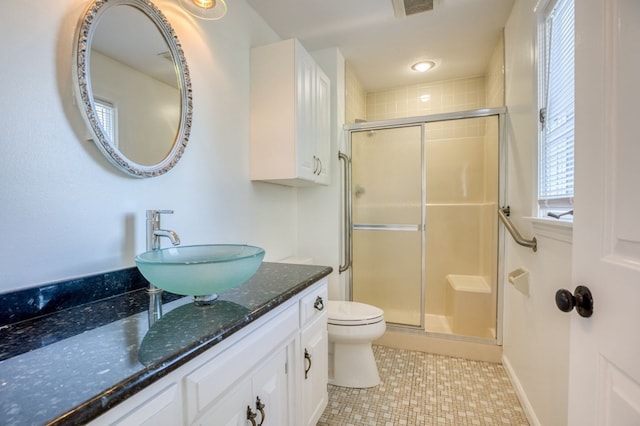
(315, 366)
(231, 409)
(270, 386)
(305, 112)
(322, 146)
(263, 394)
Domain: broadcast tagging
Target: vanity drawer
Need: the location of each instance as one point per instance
(314, 304)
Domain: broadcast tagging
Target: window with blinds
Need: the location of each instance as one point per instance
(557, 106)
(106, 113)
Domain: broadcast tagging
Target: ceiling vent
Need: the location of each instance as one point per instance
(403, 8)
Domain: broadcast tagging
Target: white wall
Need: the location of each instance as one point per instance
(66, 212)
(536, 333)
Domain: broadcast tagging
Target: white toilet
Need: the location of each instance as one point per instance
(352, 326)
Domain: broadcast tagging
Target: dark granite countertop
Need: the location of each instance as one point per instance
(73, 364)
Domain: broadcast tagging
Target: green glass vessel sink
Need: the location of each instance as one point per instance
(200, 270)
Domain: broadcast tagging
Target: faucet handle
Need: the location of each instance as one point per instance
(153, 214)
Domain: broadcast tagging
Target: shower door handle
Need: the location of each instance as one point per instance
(388, 227)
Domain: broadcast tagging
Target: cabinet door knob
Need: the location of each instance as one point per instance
(318, 304)
(251, 416)
(260, 407)
(581, 299)
(307, 357)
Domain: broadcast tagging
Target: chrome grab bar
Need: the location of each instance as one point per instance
(559, 215)
(503, 214)
(346, 194)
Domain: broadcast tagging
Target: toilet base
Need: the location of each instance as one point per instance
(356, 367)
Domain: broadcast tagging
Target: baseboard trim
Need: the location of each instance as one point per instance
(520, 393)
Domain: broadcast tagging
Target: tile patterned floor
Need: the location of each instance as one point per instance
(426, 389)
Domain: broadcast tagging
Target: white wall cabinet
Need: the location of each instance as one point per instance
(290, 116)
(256, 374)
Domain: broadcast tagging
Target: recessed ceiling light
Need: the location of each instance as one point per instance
(423, 66)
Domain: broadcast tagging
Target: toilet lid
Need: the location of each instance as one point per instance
(353, 313)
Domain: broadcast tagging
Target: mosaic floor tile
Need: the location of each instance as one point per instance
(425, 389)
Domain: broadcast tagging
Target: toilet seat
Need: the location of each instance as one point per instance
(353, 313)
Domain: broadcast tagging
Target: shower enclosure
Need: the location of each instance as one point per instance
(421, 225)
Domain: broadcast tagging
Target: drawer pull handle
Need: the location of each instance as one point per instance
(251, 416)
(318, 304)
(260, 407)
(307, 357)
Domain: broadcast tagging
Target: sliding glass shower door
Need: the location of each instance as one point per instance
(387, 192)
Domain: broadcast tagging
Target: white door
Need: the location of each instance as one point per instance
(604, 386)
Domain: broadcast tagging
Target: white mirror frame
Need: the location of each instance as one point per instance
(82, 79)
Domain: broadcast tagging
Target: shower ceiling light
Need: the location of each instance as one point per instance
(205, 9)
(423, 66)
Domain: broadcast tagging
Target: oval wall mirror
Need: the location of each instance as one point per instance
(133, 85)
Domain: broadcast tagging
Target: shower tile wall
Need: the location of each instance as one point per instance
(495, 76)
(428, 98)
(356, 97)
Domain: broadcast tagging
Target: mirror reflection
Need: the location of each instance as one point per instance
(135, 87)
(133, 83)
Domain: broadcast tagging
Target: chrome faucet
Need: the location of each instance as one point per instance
(153, 243)
(154, 232)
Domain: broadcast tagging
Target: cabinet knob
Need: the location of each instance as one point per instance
(318, 304)
(251, 416)
(260, 407)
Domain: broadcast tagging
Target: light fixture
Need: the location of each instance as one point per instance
(423, 66)
(205, 9)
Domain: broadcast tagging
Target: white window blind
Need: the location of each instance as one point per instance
(106, 116)
(556, 160)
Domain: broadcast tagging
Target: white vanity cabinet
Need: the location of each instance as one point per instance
(290, 116)
(256, 374)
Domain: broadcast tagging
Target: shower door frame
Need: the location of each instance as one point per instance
(348, 227)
